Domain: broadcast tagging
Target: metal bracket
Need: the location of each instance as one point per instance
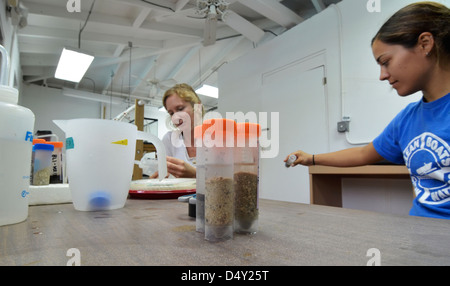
(344, 125)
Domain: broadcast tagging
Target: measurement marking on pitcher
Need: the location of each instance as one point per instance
(69, 143)
(121, 142)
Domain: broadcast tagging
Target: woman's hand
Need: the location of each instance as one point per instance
(178, 168)
(303, 158)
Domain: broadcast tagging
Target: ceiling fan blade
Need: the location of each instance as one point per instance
(141, 79)
(166, 84)
(135, 76)
(209, 33)
(241, 25)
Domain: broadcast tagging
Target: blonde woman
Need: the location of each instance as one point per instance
(179, 102)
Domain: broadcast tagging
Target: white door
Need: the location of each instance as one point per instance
(298, 94)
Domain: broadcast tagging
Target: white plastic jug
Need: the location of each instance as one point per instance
(100, 158)
(16, 136)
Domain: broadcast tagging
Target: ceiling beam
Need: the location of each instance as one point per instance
(109, 81)
(139, 20)
(105, 24)
(180, 5)
(143, 76)
(161, 5)
(29, 59)
(140, 53)
(47, 15)
(275, 11)
(35, 32)
(241, 25)
(192, 51)
(206, 69)
(319, 5)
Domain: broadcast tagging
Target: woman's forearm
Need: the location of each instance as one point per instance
(352, 157)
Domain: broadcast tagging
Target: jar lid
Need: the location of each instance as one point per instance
(248, 129)
(220, 126)
(46, 147)
(199, 131)
(9, 94)
(56, 144)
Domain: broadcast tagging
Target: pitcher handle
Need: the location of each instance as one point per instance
(160, 151)
(4, 67)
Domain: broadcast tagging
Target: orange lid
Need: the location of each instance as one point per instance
(218, 130)
(220, 126)
(56, 144)
(248, 129)
(39, 141)
(199, 130)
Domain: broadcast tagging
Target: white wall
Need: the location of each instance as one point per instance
(48, 104)
(342, 34)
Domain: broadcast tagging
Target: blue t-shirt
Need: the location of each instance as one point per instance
(419, 137)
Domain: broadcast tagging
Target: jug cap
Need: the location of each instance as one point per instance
(248, 129)
(9, 94)
(46, 147)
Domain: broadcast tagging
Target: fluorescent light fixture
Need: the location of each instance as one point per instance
(73, 65)
(162, 108)
(208, 90)
(90, 96)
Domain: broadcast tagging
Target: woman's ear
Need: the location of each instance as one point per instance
(426, 42)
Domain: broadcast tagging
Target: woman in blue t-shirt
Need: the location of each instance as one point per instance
(413, 51)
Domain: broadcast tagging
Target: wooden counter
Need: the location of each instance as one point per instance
(159, 232)
(326, 182)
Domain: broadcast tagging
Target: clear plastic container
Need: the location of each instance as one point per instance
(246, 178)
(35, 141)
(16, 135)
(57, 175)
(218, 143)
(200, 180)
(200, 175)
(58, 165)
(42, 167)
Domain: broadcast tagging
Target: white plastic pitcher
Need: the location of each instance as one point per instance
(100, 158)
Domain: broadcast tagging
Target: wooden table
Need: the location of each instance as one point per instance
(159, 232)
(326, 182)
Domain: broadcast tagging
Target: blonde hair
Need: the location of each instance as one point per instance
(184, 91)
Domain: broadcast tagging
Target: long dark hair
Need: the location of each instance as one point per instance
(405, 27)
